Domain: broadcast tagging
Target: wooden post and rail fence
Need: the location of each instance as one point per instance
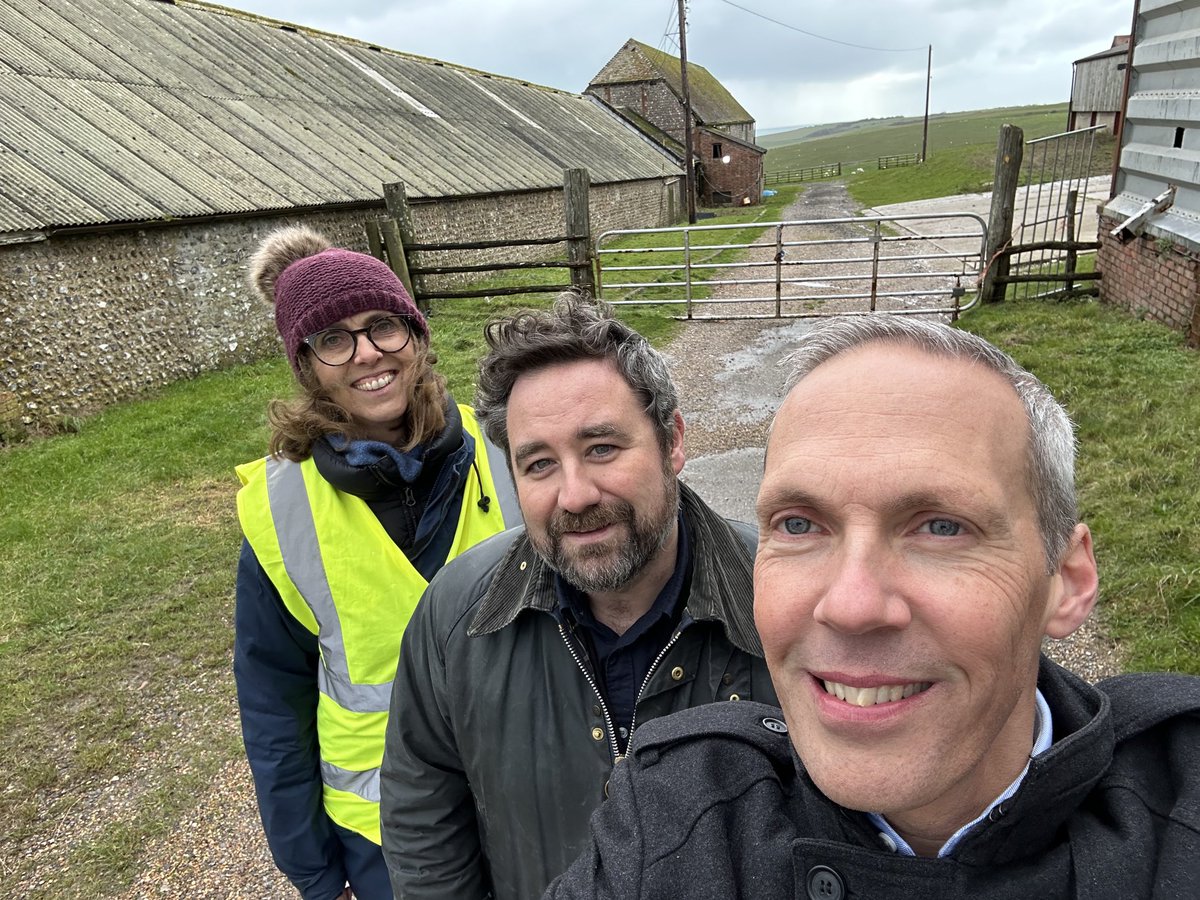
(808, 173)
(1000, 250)
(897, 161)
(393, 239)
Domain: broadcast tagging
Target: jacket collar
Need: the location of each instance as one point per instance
(1058, 780)
(721, 590)
(1024, 825)
(382, 480)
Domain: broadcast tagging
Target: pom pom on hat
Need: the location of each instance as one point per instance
(314, 285)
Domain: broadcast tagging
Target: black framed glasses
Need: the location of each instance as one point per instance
(337, 346)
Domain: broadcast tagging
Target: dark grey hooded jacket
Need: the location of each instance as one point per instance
(499, 748)
(715, 804)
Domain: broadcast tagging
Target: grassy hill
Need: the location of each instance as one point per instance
(960, 157)
(864, 141)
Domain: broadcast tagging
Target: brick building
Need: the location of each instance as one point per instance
(645, 86)
(147, 146)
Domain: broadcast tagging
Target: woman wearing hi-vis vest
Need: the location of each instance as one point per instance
(375, 480)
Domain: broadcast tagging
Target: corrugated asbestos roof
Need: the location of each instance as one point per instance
(134, 110)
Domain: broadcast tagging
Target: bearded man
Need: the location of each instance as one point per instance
(532, 659)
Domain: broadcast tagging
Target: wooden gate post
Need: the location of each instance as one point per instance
(374, 241)
(1072, 253)
(1009, 149)
(579, 230)
(397, 232)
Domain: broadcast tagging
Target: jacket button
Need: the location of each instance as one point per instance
(734, 697)
(772, 724)
(596, 709)
(677, 673)
(598, 734)
(824, 884)
(726, 678)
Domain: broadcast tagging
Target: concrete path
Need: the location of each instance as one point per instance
(1035, 209)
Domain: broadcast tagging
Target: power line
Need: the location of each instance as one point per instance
(821, 36)
(669, 36)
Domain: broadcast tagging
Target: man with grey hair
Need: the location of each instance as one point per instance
(528, 667)
(918, 537)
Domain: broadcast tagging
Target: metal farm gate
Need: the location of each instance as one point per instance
(798, 269)
(1055, 185)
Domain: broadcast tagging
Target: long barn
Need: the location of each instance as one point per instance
(147, 145)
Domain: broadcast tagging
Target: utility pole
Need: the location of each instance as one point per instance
(689, 168)
(928, 79)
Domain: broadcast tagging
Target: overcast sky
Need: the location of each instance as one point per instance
(985, 54)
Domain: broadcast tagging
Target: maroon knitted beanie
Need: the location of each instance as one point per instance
(318, 291)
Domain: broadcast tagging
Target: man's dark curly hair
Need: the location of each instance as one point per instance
(574, 328)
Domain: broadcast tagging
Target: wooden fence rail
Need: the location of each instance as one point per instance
(1064, 273)
(896, 162)
(809, 173)
(392, 238)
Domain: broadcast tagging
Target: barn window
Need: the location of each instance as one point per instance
(717, 151)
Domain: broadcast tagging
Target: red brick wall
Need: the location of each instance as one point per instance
(1152, 278)
(741, 177)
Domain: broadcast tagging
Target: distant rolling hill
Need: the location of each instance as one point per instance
(865, 140)
(812, 132)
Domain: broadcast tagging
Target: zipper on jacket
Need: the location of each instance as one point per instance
(614, 747)
(645, 683)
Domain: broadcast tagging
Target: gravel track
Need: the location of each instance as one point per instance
(729, 390)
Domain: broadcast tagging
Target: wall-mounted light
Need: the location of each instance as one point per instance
(725, 159)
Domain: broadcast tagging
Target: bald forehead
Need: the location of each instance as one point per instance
(901, 389)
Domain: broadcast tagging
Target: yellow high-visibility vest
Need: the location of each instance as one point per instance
(343, 578)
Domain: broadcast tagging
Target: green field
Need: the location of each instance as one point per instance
(961, 157)
(861, 143)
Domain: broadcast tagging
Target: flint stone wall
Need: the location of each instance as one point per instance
(92, 319)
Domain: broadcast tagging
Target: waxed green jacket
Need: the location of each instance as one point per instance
(499, 748)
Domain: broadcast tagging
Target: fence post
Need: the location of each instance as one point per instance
(1009, 149)
(579, 229)
(397, 231)
(374, 241)
(1072, 255)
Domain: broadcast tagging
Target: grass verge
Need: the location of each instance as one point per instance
(958, 170)
(116, 596)
(1131, 388)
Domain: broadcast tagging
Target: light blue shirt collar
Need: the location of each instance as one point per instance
(1043, 737)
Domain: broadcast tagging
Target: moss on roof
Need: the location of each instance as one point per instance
(652, 131)
(711, 102)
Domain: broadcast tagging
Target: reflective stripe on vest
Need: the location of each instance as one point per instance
(286, 509)
(504, 491)
(301, 551)
(361, 784)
